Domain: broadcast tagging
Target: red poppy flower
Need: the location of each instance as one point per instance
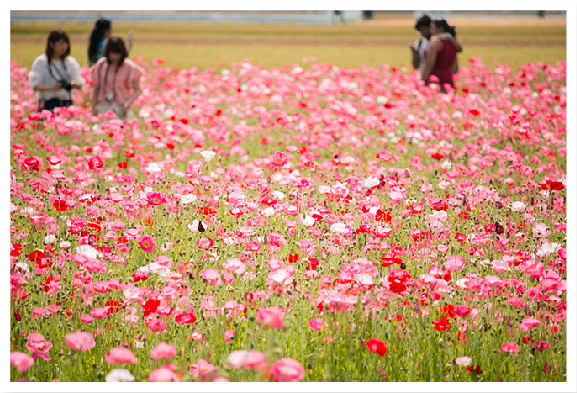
(383, 216)
(16, 248)
(94, 226)
(441, 205)
(556, 185)
(313, 263)
(464, 215)
(36, 255)
(47, 282)
(185, 319)
(377, 346)
(128, 153)
(150, 306)
(448, 311)
(32, 163)
(442, 325)
(123, 165)
(292, 258)
(139, 276)
(60, 205)
(112, 306)
(95, 163)
(387, 261)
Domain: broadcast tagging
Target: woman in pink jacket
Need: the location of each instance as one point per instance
(116, 81)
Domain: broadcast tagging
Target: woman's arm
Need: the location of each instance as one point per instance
(55, 86)
(434, 49)
(94, 99)
(454, 43)
(134, 96)
(450, 39)
(415, 57)
(77, 81)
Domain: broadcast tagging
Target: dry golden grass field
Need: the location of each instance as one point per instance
(370, 43)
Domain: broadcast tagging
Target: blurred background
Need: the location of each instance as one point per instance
(215, 39)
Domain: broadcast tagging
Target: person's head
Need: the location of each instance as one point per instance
(102, 30)
(423, 26)
(440, 26)
(115, 50)
(57, 45)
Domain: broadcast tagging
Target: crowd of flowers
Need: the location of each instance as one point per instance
(305, 223)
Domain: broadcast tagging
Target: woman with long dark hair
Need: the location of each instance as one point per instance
(116, 81)
(442, 56)
(101, 31)
(55, 73)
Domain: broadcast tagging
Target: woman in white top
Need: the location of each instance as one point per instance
(55, 73)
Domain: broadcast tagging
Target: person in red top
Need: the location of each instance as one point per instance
(116, 81)
(442, 55)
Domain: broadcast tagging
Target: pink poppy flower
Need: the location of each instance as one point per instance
(80, 341)
(455, 263)
(120, 355)
(163, 351)
(147, 243)
(542, 345)
(201, 368)
(163, 375)
(155, 198)
(529, 323)
(86, 318)
(270, 317)
(510, 347)
(287, 370)
(316, 324)
(462, 311)
(21, 361)
(156, 326)
(99, 312)
(211, 276)
(278, 159)
(228, 336)
(205, 243)
(463, 361)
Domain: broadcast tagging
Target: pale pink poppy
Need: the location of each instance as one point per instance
(80, 341)
(270, 317)
(163, 351)
(120, 355)
(201, 368)
(163, 375)
(228, 336)
(204, 243)
(455, 263)
(21, 361)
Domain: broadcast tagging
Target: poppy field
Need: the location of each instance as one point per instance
(298, 223)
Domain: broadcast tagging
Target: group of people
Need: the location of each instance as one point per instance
(116, 79)
(435, 52)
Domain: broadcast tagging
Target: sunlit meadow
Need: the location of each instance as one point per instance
(305, 223)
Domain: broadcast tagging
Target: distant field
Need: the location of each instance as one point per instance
(184, 45)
